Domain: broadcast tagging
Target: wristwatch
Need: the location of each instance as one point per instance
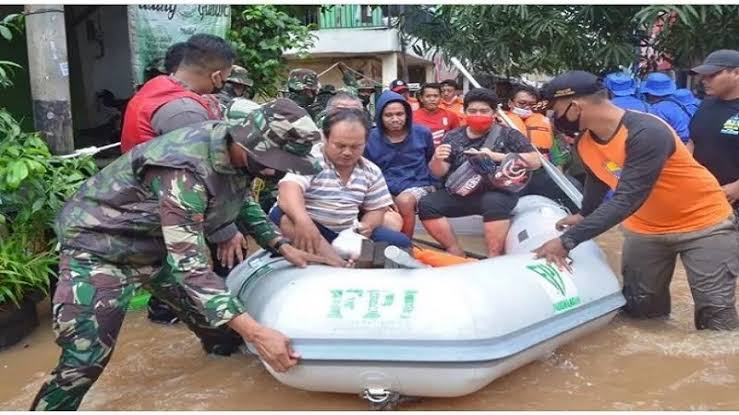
(279, 243)
(568, 243)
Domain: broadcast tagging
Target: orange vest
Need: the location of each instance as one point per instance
(457, 107)
(685, 198)
(536, 128)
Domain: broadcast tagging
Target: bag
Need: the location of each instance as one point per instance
(479, 172)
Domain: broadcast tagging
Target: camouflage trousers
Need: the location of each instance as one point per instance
(89, 305)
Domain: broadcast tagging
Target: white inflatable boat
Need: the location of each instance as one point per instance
(437, 332)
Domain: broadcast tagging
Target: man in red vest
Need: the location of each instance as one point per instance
(169, 102)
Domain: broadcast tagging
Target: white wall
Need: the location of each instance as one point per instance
(112, 70)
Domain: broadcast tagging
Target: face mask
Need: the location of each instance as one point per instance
(522, 112)
(302, 99)
(565, 126)
(254, 168)
(479, 123)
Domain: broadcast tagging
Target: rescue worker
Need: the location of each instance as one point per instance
(668, 203)
(142, 221)
(237, 85)
(538, 131)
(623, 89)
(688, 99)
(451, 99)
(658, 89)
(168, 102)
(303, 86)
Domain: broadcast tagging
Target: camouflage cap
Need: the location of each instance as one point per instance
(279, 135)
(239, 109)
(239, 75)
(300, 79)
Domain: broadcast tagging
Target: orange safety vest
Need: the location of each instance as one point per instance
(685, 198)
(457, 107)
(536, 128)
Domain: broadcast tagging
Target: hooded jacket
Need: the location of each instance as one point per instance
(404, 164)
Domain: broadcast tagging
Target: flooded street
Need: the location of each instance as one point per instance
(645, 365)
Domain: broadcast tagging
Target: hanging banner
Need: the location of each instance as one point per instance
(153, 28)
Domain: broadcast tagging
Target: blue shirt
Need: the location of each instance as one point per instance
(630, 102)
(404, 164)
(675, 115)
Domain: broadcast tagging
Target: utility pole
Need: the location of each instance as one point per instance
(49, 72)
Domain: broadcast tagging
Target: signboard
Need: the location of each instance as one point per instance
(154, 28)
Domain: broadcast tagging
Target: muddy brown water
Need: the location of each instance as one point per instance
(646, 365)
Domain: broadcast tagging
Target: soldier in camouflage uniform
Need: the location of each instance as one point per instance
(302, 87)
(237, 85)
(143, 221)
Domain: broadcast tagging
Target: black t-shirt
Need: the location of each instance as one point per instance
(715, 133)
(511, 141)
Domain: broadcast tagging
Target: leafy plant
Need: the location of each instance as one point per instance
(22, 270)
(260, 34)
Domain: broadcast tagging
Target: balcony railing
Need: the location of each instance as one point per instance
(345, 16)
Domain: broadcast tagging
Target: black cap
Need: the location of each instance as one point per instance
(572, 84)
(717, 61)
(398, 85)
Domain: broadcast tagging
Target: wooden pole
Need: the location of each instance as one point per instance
(49, 72)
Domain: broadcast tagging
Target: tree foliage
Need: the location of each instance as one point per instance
(260, 34)
(692, 32)
(516, 39)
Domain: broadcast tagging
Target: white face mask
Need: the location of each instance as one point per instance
(522, 112)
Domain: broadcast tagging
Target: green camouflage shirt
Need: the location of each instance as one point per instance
(159, 201)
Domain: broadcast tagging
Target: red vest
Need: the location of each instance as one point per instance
(137, 127)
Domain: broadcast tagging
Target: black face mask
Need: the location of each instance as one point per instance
(254, 168)
(365, 99)
(565, 126)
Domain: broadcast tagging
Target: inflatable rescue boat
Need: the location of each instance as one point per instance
(435, 332)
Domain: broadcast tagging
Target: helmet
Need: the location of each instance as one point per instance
(239, 75)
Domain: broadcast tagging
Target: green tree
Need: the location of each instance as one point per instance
(692, 32)
(260, 34)
(516, 39)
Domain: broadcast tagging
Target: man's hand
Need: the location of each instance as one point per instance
(301, 258)
(274, 348)
(231, 252)
(555, 253)
(365, 229)
(569, 221)
(443, 152)
(732, 191)
(307, 236)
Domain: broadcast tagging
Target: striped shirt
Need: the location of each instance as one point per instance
(334, 204)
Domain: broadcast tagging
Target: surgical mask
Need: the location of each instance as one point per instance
(522, 112)
(565, 126)
(479, 123)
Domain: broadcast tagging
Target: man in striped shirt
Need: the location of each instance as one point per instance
(312, 210)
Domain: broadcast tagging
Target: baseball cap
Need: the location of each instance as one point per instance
(658, 84)
(572, 84)
(717, 61)
(398, 85)
(279, 135)
(620, 84)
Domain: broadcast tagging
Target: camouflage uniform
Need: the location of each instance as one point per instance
(240, 76)
(300, 80)
(143, 221)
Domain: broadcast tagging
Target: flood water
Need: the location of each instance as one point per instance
(645, 365)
